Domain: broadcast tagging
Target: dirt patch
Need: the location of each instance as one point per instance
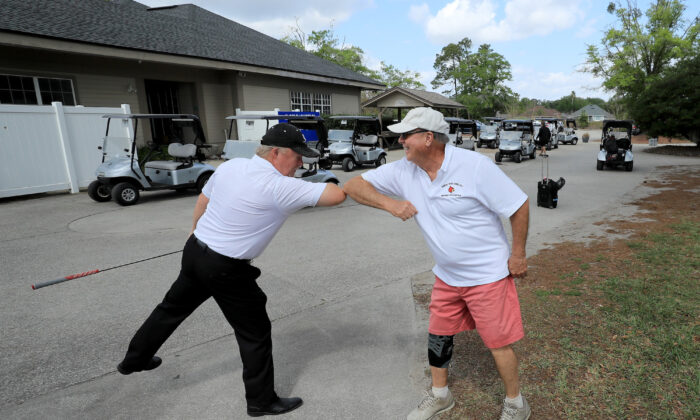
(676, 150)
(568, 359)
(644, 139)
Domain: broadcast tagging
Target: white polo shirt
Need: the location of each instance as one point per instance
(458, 212)
(249, 200)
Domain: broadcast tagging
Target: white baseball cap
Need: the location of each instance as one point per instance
(425, 118)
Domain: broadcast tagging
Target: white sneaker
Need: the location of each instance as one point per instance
(432, 405)
(512, 412)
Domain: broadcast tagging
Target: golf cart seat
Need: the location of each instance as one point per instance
(624, 143)
(610, 145)
(367, 140)
(181, 153)
(309, 160)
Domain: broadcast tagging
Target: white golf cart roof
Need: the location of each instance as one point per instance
(354, 117)
(153, 116)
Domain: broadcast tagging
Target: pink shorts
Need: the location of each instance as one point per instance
(493, 309)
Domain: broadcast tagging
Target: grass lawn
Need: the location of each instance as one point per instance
(612, 327)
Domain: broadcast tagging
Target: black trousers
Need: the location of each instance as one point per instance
(231, 282)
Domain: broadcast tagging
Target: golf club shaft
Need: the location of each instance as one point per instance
(91, 272)
(62, 279)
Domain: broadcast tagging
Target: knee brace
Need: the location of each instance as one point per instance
(440, 350)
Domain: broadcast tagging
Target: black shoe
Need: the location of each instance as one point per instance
(279, 406)
(152, 364)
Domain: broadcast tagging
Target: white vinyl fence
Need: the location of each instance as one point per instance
(52, 148)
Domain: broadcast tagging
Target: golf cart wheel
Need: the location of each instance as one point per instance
(498, 157)
(517, 157)
(125, 194)
(348, 164)
(574, 142)
(629, 166)
(380, 161)
(478, 144)
(599, 165)
(202, 181)
(556, 145)
(99, 192)
(494, 144)
(532, 155)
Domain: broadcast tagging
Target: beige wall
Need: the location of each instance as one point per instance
(260, 92)
(264, 98)
(345, 104)
(217, 106)
(211, 94)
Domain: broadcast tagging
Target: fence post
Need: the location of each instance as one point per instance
(65, 146)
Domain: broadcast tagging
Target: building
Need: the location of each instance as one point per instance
(401, 98)
(176, 59)
(594, 112)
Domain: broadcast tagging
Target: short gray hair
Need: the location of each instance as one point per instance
(263, 150)
(441, 137)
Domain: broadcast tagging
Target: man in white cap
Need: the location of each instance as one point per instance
(457, 197)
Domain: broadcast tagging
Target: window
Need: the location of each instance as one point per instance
(308, 102)
(322, 103)
(301, 101)
(28, 90)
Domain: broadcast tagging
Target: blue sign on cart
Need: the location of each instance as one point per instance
(309, 135)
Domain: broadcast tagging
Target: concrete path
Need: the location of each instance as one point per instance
(347, 335)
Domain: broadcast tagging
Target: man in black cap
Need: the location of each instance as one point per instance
(239, 211)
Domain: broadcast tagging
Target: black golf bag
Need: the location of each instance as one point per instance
(548, 189)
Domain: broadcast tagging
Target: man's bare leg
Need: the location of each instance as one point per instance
(507, 365)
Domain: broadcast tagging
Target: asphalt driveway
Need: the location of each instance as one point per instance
(347, 336)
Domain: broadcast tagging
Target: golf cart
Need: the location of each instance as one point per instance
(490, 133)
(462, 132)
(616, 145)
(553, 124)
(516, 140)
(568, 136)
(308, 124)
(122, 174)
(355, 142)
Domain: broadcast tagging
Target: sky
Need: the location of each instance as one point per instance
(544, 41)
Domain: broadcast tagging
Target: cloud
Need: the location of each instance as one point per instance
(553, 85)
(587, 29)
(276, 18)
(419, 13)
(427, 76)
(477, 19)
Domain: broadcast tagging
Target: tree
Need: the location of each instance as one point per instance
(449, 64)
(484, 91)
(326, 45)
(583, 119)
(573, 98)
(667, 107)
(570, 103)
(393, 77)
(635, 53)
(477, 80)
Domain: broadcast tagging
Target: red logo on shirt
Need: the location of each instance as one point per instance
(451, 189)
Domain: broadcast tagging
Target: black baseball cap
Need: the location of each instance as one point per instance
(287, 135)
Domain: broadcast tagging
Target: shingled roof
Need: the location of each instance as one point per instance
(430, 99)
(184, 30)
